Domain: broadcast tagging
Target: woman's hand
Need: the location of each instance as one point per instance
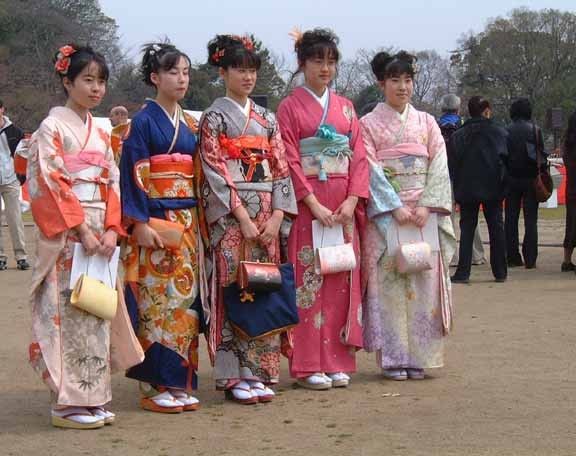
(323, 214)
(420, 216)
(402, 215)
(88, 239)
(271, 227)
(249, 229)
(146, 236)
(345, 212)
(108, 243)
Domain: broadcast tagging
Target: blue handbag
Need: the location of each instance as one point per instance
(254, 314)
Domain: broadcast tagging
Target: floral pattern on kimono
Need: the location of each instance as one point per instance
(166, 289)
(330, 328)
(265, 188)
(73, 351)
(406, 315)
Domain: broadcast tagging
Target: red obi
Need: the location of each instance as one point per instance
(251, 150)
(171, 176)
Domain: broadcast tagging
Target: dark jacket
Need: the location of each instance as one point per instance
(477, 154)
(522, 159)
(13, 135)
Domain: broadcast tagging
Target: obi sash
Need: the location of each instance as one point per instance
(406, 168)
(328, 152)
(89, 174)
(247, 158)
(169, 182)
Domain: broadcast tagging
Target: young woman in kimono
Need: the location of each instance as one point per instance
(165, 284)
(248, 198)
(73, 183)
(405, 315)
(330, 174)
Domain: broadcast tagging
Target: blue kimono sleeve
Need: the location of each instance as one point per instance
(134, 169)
(383, 199)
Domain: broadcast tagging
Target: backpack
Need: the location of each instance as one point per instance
(448, 130)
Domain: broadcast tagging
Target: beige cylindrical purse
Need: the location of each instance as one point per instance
(94, 297)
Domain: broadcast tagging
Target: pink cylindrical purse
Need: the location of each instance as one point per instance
(336, 258)
(413, 257)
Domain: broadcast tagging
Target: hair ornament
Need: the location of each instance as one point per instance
(297, 35)
(63, 59)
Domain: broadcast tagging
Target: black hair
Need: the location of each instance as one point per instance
(79, 57)
(521, 109)
(477, 105)
(1, 104)
(317, 43)
(158, 57)
(570, 137)
(385, 66)
(233, 51)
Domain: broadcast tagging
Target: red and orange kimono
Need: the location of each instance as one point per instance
(73, 179)
(330, 329)
(117, 136)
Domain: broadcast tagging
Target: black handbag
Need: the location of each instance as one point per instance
(254, 314)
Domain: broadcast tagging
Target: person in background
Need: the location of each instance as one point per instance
(10, 136)
(120, 125)
(569, 156)
(449, 122)
(523, 139)
(477, 155)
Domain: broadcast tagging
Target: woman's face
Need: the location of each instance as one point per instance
(398, 90)
(173, 83)
(239, 81)
(88, 88)
(319, 72)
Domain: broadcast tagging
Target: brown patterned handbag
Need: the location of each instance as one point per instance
(258, 276)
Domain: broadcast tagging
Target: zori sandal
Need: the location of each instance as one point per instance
(190, 403)
(162, 403)
(263, 393)
(316, 382)
(75, 418)
(102, 413)
(242, 393)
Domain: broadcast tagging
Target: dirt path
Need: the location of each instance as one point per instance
(508, 389)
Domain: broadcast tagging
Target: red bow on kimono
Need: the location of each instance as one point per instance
(244, 147)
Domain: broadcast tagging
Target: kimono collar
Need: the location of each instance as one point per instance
(323, 99)
(172, 119)
(243, 109)
(79, 129)
(389, 110)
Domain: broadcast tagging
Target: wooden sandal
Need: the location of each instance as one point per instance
(240, 388)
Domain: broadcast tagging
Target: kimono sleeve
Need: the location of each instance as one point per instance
(283, 196)
(291, 137)
(54, 205)
(359, 169)
(113, 218)
(383, 199)
(220, 193)
(437, 195)
(134, 172)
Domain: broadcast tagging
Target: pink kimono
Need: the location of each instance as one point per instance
(406, 315)
(73, 179)
(330, 329)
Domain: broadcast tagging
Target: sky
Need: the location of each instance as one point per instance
(412, 25)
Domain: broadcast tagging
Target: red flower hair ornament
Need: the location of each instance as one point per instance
(246, 42)
(63, 59)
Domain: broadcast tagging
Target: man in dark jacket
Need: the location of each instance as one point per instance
(523, 138)
(477, 155)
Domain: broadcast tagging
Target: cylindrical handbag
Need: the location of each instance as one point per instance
(94, 297)
(413, 257)
(333, 259)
